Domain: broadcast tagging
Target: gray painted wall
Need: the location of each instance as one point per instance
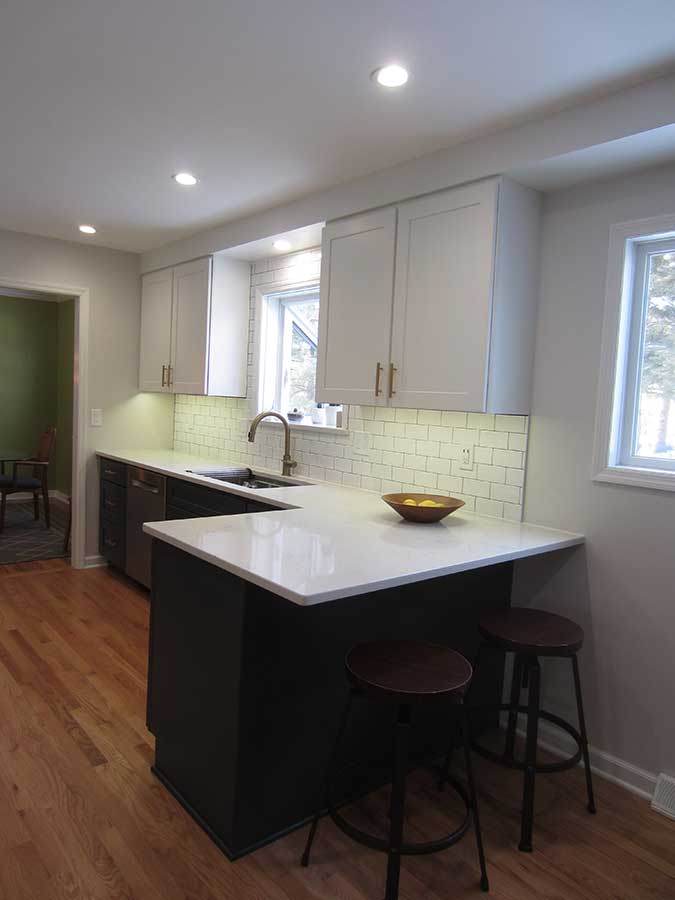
(622, 586)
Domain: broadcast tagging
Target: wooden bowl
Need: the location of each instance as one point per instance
(422, 513)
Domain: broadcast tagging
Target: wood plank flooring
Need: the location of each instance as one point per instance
(81, 816)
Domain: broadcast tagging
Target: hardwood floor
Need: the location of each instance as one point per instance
(81, 816)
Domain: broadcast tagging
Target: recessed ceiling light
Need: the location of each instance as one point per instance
(87, 229)
(185, 178)
(390, 76)
(282, 244)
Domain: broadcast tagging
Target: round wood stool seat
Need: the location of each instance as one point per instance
(407, 671)
(532, 631)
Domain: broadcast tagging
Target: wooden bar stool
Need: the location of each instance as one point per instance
(530, 634)
(405, 673)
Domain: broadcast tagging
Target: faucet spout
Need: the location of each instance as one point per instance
(288, 463)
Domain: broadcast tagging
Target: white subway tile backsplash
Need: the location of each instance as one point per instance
(517, 441)
(507, 492)
(512, 458)
(428, 417)
(489, 508)
(453, 419)
(407, 416)
(386, 449)
(511, 423)
(494, 439)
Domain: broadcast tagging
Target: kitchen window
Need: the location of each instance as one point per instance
(636, 419)
(289, 339)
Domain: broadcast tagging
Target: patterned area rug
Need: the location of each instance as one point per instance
(24, 539)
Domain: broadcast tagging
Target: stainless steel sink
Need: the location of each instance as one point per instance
(246, 478)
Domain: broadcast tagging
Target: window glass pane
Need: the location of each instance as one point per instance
(655, 427)
(302, 367)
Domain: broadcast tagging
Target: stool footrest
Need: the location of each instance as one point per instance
(408, 848)
(511, 763)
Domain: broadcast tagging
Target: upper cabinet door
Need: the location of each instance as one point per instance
(443, 300)
(190, 329)
(357, 269)
(156, 299)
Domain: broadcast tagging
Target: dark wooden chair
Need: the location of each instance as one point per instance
(35, 480)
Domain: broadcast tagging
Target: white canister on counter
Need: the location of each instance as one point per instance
(331, 412)
(318, 415)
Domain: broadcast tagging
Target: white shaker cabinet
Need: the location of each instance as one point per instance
(357, 279)
(190, 327)
(460, 324)
(156, 304)
(194, 328)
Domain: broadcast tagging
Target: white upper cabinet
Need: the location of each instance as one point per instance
(357, 281)
(190, 327)
(194, 328)
(458, 332)
(156, 300)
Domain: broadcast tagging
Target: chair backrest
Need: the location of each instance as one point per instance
(46, 445)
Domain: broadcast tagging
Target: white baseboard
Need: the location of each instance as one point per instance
(618, 771)
(94, 561)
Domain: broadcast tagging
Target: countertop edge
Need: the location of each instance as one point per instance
(155, 531)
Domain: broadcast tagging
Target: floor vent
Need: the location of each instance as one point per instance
(663, 800)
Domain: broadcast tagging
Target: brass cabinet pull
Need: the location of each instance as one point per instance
(392, 372)
(378, 375)
(169, 380)
(163, 376)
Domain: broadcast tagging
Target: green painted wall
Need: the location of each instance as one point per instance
(36, 359)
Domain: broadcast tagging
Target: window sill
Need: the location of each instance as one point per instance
(636, 476)
(301, 426)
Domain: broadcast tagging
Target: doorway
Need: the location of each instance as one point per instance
(67, 468)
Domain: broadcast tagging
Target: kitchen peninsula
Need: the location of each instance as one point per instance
(252, 615)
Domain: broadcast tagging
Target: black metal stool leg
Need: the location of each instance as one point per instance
(582, 732)
(533, 670)
(397, 805)
(516, 682)
(445, 768)
(484, 883)
(331, 765)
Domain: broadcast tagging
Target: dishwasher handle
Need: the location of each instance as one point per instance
(144, 486)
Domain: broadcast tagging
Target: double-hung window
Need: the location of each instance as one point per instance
(635, 440)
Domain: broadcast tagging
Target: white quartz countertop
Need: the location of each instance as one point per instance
(327, 541)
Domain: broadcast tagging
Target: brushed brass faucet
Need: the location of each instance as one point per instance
(288, 463)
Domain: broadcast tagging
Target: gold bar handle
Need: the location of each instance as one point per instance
(169, 380)
(378, 375)
(392, 372)
(163, 376)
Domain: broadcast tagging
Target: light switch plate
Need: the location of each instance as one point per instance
(96, 417)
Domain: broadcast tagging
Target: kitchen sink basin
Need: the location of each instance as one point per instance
(246, 478)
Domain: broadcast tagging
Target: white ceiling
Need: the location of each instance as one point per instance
(102, 100)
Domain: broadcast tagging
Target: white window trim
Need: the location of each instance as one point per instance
(623, 239)
(278, 287)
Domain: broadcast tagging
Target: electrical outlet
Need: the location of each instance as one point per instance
(466, 459)
(96, 417)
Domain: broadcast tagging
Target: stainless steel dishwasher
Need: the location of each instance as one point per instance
(146, 502)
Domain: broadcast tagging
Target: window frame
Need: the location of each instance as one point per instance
(285, 324)
(260, 337)
(630, 246)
